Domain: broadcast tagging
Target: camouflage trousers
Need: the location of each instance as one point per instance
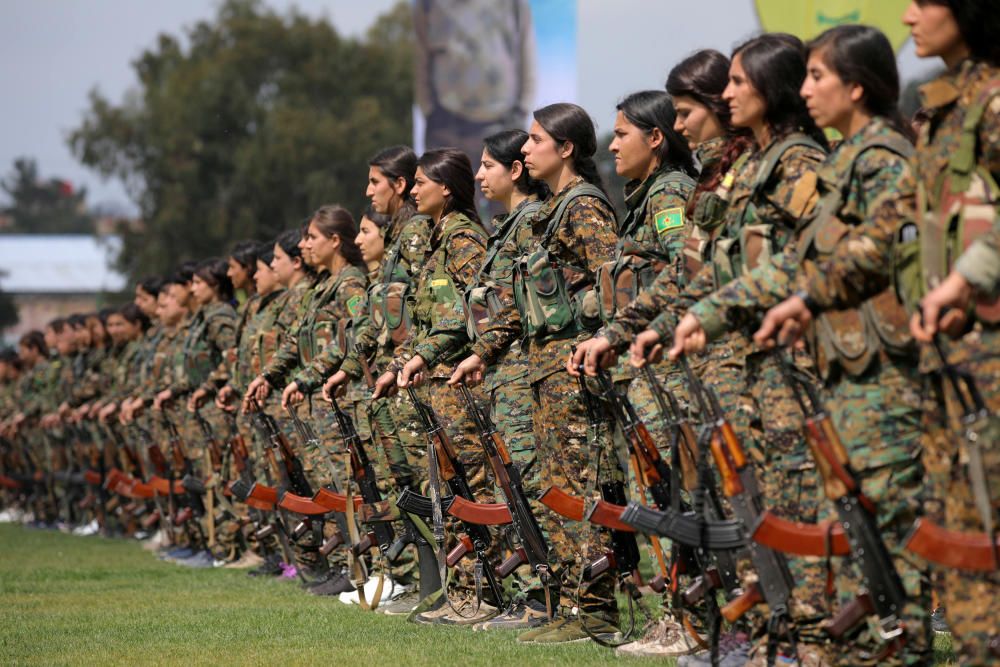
(971, 599)
(877, 417)
(575, 459)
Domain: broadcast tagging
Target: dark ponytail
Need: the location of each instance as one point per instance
(505, 148)
(863, 55)
(568, 122)
(451, 168)
(775, 65)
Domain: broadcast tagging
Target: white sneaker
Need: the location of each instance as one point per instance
(155, 542)
(389, 589)
(91, 528)
(7, 516)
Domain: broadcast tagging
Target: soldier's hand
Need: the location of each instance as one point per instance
(593, 354)
(470, 371)
(224, 399)
(411, 374)
(784, 323)
(107, 411)
(385, 385)
(331, 385)
(645, 348)
(259, 389)
(291, 397)
(196, 399)
(689, 337)
(943, 309)
(162, 399)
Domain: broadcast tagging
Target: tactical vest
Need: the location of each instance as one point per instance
(754, 244)
(387, 307)
(317, 331)
(198, 356)
(637, 266)
(851, 339)
(541, 292)
(966, 197)
(482, 301)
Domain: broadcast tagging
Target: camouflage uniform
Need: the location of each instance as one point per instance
(865, 356)
(572, 456)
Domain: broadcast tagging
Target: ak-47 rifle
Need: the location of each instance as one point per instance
(739, 483)
(531, 545)
(975, 552)
(444, 463)
(188, 494)
(883, 594)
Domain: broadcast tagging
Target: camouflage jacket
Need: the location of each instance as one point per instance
(453, 261)
(781, 201)
(878, 201)
(210, 333)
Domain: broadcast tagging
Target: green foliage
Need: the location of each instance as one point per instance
(38, 206)
(246, 125)
(82, 601)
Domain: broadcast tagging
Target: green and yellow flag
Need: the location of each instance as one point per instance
(807, 18)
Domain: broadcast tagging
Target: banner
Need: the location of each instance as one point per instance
(808, 18)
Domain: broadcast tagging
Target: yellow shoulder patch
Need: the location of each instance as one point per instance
(669, 219)
(804, 196)
(439, 282)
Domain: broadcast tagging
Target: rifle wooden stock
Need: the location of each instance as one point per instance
(750, 598)
(92, 477)
(9, 483)
(301, 505)
(163, 486)
(800, 539)
(143, 491)
(603, 513)
(952, 548)
(183, 516)
(731, 484)
(463, 547)
(825, 458)
(335, 502)
(688, 443)
(482, 514)
(512, 562)
(215, 455)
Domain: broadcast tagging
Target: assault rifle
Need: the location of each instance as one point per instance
(443, 462)
(883, 594)
(977, 552)
(193, 506)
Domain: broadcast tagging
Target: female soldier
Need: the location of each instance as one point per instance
(865, 356)
(767, 195)
(328, 246)
(503, 179)
(960, 141)
(242, 264)
(443, 189)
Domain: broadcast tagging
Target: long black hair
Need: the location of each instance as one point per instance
(380, 220)
(152, 285)
(505, 148)
(333, 219)
(134, 315)
(775, 66)
(862, 55)
(568, 122)
(288, 241)
(245, 254)
(979, 23)
(451, 168)
(652, 108)
(703, 76)
(215, 272)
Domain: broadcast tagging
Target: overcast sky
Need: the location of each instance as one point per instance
(52, 52)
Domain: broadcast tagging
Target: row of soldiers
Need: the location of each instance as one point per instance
(782, 352)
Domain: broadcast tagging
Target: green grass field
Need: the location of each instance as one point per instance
(81, 601)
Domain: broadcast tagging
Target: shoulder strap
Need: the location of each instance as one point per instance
(506, 231)
(963, 160)
(580, 190)
(772, 158)
(394, 253)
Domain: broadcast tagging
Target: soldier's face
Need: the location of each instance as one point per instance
(201, 291)
(50, 338)
(830, 101)
(695, 121)
(634, 149)
(371, 241)
(28, 354)
(265, 279)
(429, 195)
(495, 180)
(384, 193)
(238, 274)
(745, 103)
(172, 304)
(115, 329)
(284, 266)
(543, 157)
(97, 330)
(145, 301)
(81, 336)
(318, 248)
(934, 30)
(66, 340)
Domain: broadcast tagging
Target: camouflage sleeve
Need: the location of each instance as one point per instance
(860, 266)
(589, 235)
(791, 197)
(414, 241)
(669, 220)
(465, 253)
(980, 263)
(764, 287)
(347, 303)
(700, 287)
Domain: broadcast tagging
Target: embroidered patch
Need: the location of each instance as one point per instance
(668, 219)
(439, 282)
(354, 305)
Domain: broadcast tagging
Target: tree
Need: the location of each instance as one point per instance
(40, 206)
(248, 125)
